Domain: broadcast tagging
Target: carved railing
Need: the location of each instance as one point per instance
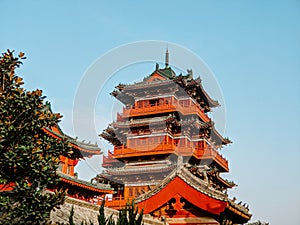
(206, 151)
(141, 149)
(191, 108)
(116, 202)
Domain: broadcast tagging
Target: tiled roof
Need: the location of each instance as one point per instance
(189, 178)
(140, 170)
(82, 146)
(167, 72)
(81, 183)
(198, 184)
(125, 92)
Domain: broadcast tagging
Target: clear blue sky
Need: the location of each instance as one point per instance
(253, 48)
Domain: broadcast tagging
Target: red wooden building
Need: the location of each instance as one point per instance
(166, 152)
(77, 188)
(69, 182)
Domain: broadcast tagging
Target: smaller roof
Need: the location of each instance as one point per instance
(167, 72)
(102, 188)
(137, 173)
(241, 210)
(86, 149)
(127, 171)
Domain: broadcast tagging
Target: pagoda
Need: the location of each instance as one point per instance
(166, 152)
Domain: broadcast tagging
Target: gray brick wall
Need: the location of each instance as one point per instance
(84, 211)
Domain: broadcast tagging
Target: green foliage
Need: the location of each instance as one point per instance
(127, 216)
(102, 220)
(28, 156)
(71, 221)
(101, 217)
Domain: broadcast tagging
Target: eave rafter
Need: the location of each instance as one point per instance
(110, 134)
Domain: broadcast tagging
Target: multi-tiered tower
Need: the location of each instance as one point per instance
(166, 152)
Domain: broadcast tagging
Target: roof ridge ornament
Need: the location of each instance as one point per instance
(190, 73)
(180, 163)
(167, 58)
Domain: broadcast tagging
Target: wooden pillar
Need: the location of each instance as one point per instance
(71, 170)
(65, 164)
(126, 192)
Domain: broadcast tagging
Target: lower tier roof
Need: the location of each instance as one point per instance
(100, 188)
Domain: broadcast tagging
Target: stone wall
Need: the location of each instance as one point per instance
(84, 211)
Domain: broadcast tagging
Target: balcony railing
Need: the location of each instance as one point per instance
(202, 152)
(121, 151)
(190, 108)
(116, 202)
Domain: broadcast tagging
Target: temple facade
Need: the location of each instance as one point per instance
(166, 153)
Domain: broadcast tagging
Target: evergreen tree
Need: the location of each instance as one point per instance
(28, 157)
(127, 216)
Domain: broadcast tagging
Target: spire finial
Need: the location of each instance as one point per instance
(167, 58)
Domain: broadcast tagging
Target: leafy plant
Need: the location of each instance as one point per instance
(71, 221)
(130, 215)
(127, 216)
(28, 156)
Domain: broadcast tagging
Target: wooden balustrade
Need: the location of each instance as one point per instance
(116, 202)
(119, 152)
(204, 152)
(165, 108)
